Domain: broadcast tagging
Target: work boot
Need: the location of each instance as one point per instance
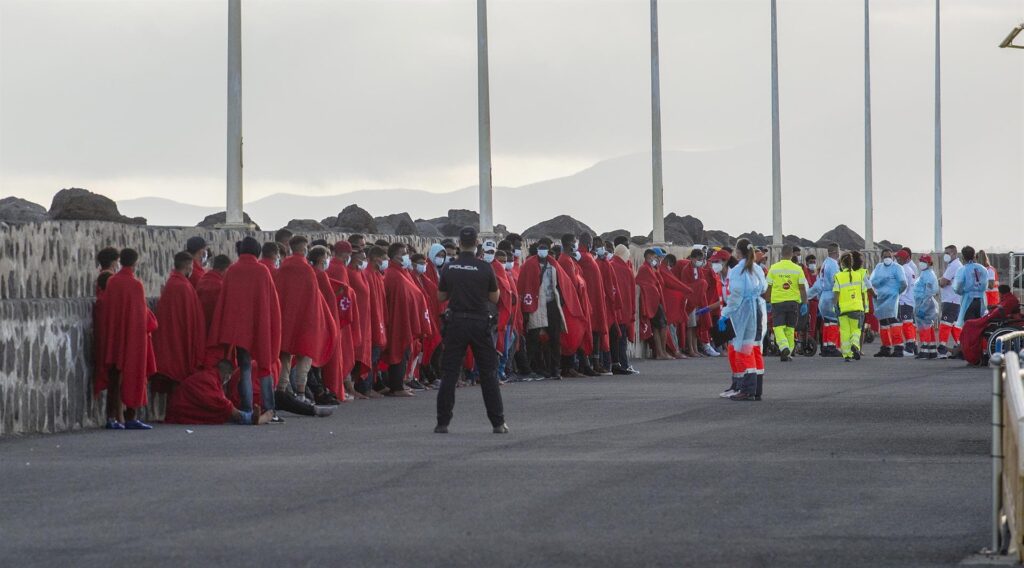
(856, 352)
(885, 351)
(758, 390)
(897, 351)
(784, 355)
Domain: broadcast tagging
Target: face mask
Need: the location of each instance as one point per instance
(384, 265)
(577, 255)
(447, 260)
(406, 262)
(438, 261)
(699, 264)
(947, 258)
(363, 265)
(922, 265)
(716, 266)
(327, 263)
(488, 258)
(812, 267)
(796, 259)
(887, 261)
(206, 255)
(421, 268)
(654, 262)
(508, 266)
(277, 263)
(600, 252)
(518, 253)
(542, 253)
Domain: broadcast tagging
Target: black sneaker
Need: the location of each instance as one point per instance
(618, 370)
(276, 419)
(742, 397)
(440, 429)
(415, 385)
(884, 352)
(326, 398)
(856, 352)
(502, 429)
(784, 356)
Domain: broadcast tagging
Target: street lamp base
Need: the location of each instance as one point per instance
(235, 226)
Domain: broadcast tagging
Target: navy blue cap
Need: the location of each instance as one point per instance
(467, 234)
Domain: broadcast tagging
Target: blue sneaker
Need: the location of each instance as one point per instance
(113, 425)
(136, 425)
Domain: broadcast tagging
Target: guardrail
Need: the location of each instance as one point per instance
(1007, 449)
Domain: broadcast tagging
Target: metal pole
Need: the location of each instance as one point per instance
(484, 119)
(657, 189)
(234, 132)
(938, 131)
(869, 214)
(997, 450)
(776, 157)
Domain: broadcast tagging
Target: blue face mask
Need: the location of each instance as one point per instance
(406, 262)
(600, 252)
(488, 258)
(542, 253)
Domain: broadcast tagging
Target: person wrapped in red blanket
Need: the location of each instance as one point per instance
(972, 340)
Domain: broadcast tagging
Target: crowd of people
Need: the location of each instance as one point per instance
(299, 326)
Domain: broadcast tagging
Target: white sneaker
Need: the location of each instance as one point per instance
(710, 351)
(909, 354)
(943, 356)
(728, 393)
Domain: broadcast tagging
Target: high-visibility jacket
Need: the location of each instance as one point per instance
(785, 277)
(850, 290)
(992, 295)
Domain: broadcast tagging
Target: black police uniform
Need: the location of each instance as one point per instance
(468, 282)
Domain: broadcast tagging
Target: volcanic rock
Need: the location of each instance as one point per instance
(77, 204)
(16, 210)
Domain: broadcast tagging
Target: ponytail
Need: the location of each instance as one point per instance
(744, 247)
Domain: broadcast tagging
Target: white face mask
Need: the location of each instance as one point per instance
(488, 257)
(327, 263)
(206, 256)
(421, 268)
(447, 260)
(384, 265)
(277, 263)
(508, 266)
(363, 265)
(796, 259)
(518, 253)
(577, 255)
(654, 262)
(699, 264)
(887, 261)
(716, 266)
(600, 252)
(946, 258)
(406, 262)
(542, 253)
(922, 265)
(438, 261)
(812, 267)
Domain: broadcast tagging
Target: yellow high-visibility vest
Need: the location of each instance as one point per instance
(850, 289)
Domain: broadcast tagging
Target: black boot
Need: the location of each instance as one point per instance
(885, 351)
(760, 387)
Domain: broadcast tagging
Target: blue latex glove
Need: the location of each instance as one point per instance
(721, 324)
(803, 309)
(702, 311)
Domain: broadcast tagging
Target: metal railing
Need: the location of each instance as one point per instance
(1007, 449)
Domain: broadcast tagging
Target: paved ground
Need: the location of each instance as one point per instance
(880, 463)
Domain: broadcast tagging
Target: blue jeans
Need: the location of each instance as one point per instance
(622, 347)
(510, 340)
(245, 384)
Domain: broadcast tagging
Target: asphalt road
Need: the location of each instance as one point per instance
(881, 463)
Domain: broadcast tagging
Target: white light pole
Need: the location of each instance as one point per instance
(484, 119)
(658, 193)
(776, 159)
(234, 218)
(869, 214)
(938, 131)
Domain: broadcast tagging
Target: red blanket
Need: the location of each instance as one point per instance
(199, 399)
(306, 325)
(432, 340)
(506, 306)
(248, 314)
(197, 272)
(338, 274)
(332, 368)
(100, 375)
(406, 307)
(575, 319)
(360, 314)
(651, 291)
(180, 339)
(208, 291)
(376, 306)
(591, 274)
(127, 335)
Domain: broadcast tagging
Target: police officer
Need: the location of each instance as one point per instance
(471, 290)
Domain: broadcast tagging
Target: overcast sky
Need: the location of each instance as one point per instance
(127, 98)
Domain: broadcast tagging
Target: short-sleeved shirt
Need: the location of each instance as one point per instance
(946, 293)
(850, 289)
(468, 282)
(785, 277)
